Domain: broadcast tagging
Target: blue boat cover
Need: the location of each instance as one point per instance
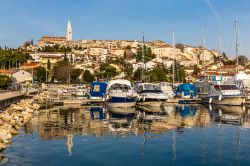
(187, 89)
(98, 89)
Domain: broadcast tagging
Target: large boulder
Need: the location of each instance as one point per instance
(5, 135)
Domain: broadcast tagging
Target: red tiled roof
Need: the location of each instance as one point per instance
(30, 64)
(5, 72)
(47, 56)
(53, 37)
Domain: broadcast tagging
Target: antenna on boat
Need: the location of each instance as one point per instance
(237, 45)
(173, 57)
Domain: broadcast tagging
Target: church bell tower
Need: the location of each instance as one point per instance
(69, 32)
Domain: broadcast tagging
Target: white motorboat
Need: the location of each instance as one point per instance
(80, 90)
(226, 94)
(119, 93)
(167, 89)
(150, 95)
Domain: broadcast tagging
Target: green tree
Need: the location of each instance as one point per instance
(128, 70)
(62, 70)
(87, 76)
(243, 60)
(224, 55)
(148, 54)
(125, 55)
(107, 71)
(5, 81)
(40, 74)
(48, 65)
(10, 58)
(158, 74)
(138, 74)
(75, 73)
(110, 72)
(230, 62)
(197, 70)
(55, 48)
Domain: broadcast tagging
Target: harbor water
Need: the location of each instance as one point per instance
(170, 135)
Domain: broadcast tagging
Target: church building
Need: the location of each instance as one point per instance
(45, 40)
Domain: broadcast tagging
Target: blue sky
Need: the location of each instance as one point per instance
(22, 20)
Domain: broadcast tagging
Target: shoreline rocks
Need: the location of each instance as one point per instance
(14, 117)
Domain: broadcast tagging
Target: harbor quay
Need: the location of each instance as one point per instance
(19, 108)
(57, 115)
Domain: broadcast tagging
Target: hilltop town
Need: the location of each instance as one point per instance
(62, 59)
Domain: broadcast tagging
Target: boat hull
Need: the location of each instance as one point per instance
(121, 102)
(233, 101)
(121, 105)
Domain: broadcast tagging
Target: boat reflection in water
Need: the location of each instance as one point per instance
(53, 123)
(147, 123)
(228, 114)
(97, 113)
(121, 120)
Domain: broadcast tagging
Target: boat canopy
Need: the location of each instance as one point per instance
(187, 89)
(119, 82)
(147, 87)
(98, 89)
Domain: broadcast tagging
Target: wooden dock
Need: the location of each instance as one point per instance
(8, 98)
(78, 102)
(184, 100)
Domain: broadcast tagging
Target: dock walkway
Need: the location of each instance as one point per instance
(9, 97)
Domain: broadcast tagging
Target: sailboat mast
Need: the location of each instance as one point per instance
(173, 58)
(236, 45)
(203, 55)
(219, 47)
(143, 58)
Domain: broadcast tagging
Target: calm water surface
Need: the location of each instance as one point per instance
(171, 135)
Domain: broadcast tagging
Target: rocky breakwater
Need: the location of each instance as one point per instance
(14, 117)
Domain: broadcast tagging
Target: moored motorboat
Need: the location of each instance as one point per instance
(150, 95)
(80, 90)
(119, 93)
(166, 88)
(226, 94)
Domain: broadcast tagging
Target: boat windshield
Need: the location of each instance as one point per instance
(225, 87)
(149, 88)
(120, 87)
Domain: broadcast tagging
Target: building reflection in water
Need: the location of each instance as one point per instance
(69, 143)
(62, 123)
